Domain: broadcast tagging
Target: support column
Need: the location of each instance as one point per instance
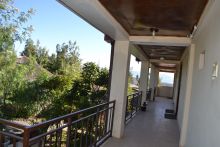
(119, 84)
(153, 79)
(176, 87)
(184, 127)
(156, 77)
(144, 79)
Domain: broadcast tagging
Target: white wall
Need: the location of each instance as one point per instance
(165, 91)
(204, 115)
(182, 90)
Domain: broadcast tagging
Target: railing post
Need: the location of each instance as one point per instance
(141, 93)
(96, 125)
(69, 123)
(113, 112)
(1, 140)
(26, 137)
(132, 106)
(126, 110)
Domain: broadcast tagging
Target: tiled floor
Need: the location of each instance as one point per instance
(149, 129)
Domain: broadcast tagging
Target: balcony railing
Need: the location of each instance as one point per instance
(133, 105)
(148, 94)
(85, 128)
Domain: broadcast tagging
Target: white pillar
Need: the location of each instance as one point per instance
(156, 77)
(144, 79)
(176, 86)
(153, 79)
(119, 84)
(187, 96)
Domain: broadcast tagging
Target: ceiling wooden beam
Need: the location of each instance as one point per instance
(139, 53)
(160, 40)
(164, 61)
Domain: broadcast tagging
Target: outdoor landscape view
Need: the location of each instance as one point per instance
(53, 64)
(36, 85)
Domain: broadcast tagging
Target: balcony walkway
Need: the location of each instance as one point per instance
(149, 129)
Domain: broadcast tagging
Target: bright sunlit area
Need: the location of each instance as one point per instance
(166, 79)
(135, 67)
(134, 75)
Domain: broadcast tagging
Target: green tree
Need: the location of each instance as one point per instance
(91, 88)
(66, 60)
(42, 56)
(12, 29)
(12, 24)
(30, 49)
(129, 91)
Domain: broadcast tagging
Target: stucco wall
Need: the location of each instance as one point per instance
(204, 117)
(182, 90)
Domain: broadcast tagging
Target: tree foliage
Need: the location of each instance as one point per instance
(43, 85)
(12, 29)
(88, 90)
(12, 24)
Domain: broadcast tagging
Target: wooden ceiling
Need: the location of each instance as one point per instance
(165, 52)
(171, 17)
(165, 67)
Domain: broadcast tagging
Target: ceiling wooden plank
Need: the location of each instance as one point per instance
(160, 40)
(172, 18)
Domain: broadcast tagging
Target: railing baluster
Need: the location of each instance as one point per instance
(1, 139)
(60, 138)
(126, 113)
(75, 135)
(26, 137)
(14, 142)
(56, 135)
(133, 104)
(100, 125)
(92, 129)
(44, 142)
(81, 135)
(87, 129)
(112, 116)
(50, 140)
(104, 123)
(69, 123)
(96, 125)
(132, 99)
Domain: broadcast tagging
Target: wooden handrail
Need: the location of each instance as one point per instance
(105, 110)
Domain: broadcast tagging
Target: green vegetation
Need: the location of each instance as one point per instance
(39, 85)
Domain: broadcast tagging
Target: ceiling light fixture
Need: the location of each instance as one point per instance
(138, 60)
(162, 58)
(154, 31)
(193, 32)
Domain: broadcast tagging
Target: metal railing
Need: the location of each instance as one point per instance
(85, 128)
(148, 94)
(133, 105)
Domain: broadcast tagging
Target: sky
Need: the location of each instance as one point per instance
(166, 77)
(53, 24)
